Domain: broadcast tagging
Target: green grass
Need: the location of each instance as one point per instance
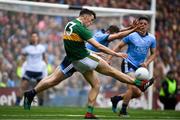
(57, 113)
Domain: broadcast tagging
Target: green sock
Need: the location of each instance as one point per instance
(90, 109)
(137, 82)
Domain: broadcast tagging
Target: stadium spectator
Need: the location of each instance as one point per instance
(5, 81)
(168, 91)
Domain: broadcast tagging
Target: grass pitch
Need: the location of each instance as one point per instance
(58, 113)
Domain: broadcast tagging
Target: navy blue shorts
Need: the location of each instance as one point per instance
(67, 67)
(32, 76)
(127, 67)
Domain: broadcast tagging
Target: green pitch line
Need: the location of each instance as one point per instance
(56, 113)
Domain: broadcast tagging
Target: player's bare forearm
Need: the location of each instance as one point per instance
(121, 34)
(125, 29)
(116, 49)
(151, 57)
(127, 32)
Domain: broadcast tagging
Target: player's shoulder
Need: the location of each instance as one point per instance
(28, 46)
(133, 34)
(152, 36)
(41, 46)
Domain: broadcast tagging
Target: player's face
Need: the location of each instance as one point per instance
(88, 20)
(145, 26)
(34, 38)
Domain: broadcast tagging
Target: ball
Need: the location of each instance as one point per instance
(142, 73)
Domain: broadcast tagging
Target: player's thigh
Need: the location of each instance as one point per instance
(91, 78)
(86, 64)
(57, 76)
(104, 68)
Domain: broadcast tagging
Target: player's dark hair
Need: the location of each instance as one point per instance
(87, 11)
(144, 18)
(113, 29)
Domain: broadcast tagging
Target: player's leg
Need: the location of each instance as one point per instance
(39, 78)
(104, 68)
(132, 92)
(115, 99)
(56, 77)
(86, 66)
(91, 78)
(24, 85)
(62, 72)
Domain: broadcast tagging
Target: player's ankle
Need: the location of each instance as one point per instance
(137, 82)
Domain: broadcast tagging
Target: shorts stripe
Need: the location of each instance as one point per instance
(93, 58)
(67, 68)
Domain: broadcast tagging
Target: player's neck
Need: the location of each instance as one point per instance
(79, 19)
(143, 33)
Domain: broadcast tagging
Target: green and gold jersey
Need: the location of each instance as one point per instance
(75, 36)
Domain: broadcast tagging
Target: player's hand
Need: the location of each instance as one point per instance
(122, 55)
(138, 27)
(144, 65)
(135, 23)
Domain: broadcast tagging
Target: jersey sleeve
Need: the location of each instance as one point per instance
(84, 33)
(126, 39)
(153, 45)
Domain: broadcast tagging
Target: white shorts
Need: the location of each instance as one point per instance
(88, 63)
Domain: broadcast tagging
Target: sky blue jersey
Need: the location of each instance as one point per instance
(102, 38)
(138, 47)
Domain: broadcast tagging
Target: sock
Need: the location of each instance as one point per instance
(90, 109)
(33, 92)
(137, 82)
(18, 100)
(124, 107)
(119, 98)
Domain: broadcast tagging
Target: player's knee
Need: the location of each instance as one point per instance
(96, 86)
(136, 92)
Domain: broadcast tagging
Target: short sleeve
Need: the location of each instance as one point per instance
(126, 39)
(84, 33)
(153, 45)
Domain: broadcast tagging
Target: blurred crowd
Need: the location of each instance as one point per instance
(16, 28)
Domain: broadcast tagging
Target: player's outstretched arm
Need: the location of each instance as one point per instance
(105, 49)
(117, 48)
(135, 26)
